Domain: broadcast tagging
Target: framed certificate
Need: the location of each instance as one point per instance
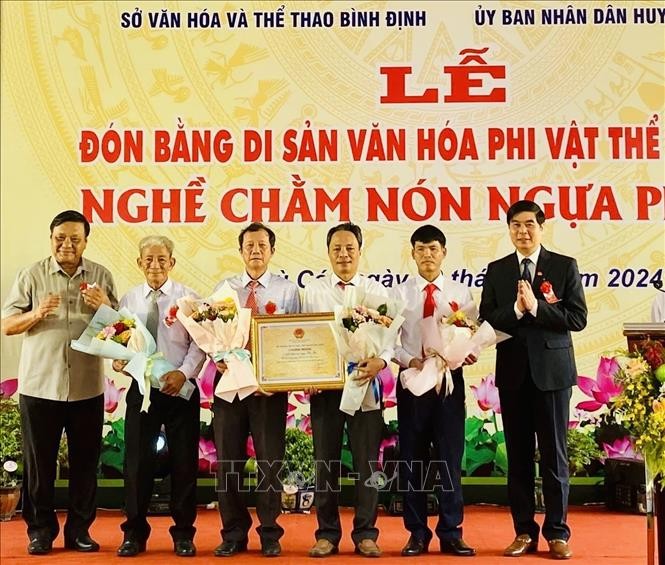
(296, 351)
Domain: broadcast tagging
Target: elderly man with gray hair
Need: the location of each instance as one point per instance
(152, 302)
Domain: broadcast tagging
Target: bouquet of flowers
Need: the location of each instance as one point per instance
(120, 331)
(220, 327)
(364, 326)
(121, 335)
(447, 342)
(640, 407)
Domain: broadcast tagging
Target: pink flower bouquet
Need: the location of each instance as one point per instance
(220, 327)
(447, 342)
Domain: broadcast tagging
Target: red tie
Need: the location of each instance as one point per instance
(343, 285)
(430, 305)
(251, 298)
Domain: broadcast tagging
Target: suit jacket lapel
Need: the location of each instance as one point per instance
(514, 268)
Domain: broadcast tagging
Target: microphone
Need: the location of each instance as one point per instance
(658, 285)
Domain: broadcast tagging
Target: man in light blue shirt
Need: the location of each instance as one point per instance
(152, 302)
(261, 414)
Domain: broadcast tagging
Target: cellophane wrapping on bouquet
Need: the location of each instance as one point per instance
(447, 342)
(221, 328)
(121, 335)
(365, 326)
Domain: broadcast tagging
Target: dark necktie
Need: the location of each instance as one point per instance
(342, 285)
(430, 304)
(251, 302)
(526, 271)
(152, 320)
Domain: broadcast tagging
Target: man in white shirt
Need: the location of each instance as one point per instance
(364, 427)
(261, 414)
(151, 302)
(433, 418)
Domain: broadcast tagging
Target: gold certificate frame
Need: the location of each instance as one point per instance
(296, 351)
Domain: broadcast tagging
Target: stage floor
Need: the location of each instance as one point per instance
(599, 536)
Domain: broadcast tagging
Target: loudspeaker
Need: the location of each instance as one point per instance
(625, 485)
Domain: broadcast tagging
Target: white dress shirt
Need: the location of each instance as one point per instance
(412, 293)
(281, 292)
(174, 342)
(532, 271)
(322, 295)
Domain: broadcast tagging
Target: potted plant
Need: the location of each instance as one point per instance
(298, 481)
(10, 451)
(584, 455)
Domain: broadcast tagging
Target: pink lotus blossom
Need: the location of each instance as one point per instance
(305, 424)
(487, 394)
(207, 456)
(603, 390)
(111, 395)
(251, 452)
(388, 382)
(386, 442)
(301, 397)
(8, 387)
(621, 448)
(291, 415)
(206, 384)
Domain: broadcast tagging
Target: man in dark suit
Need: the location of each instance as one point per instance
(536, 296)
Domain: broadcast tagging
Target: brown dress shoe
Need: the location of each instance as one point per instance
(368, 548)
(559, 549)
(521, 545)
(323, 548)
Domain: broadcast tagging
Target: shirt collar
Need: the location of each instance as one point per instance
(263, 280)
(54, 267)
(355, 281)
(165, 289)
(422, 282)
(533, 257)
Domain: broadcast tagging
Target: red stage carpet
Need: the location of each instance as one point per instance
(599, 536)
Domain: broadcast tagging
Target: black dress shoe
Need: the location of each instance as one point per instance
(415, 547)
(130, 548)
(82, 543)
(39, 545)
(229, 548)
(184, 548)
(457, 547)
(271, 548)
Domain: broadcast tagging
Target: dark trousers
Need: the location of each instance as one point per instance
(528, 413)
(265, 418)
(181, 423)
(438, 420)
(42, 423)
(364, 430)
